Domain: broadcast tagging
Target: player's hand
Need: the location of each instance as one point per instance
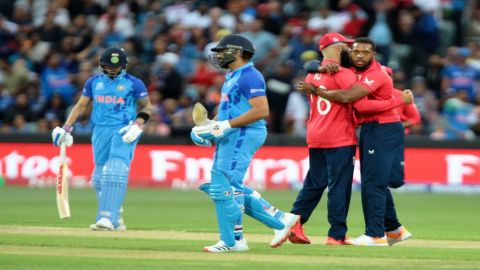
(329, 68)
(306, 88)
(311, 66)
(212, 130)
(131, 132)
(407, 96)
(199, 140)
(61, 135)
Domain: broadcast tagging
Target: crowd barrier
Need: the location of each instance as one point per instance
(281, 164)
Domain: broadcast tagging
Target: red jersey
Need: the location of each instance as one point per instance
(380, 86)
(330, 123)
(408, 112)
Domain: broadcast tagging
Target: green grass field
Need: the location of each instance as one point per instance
(167, 230)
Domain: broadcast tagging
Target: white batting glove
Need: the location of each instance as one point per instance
(212, 130)
(61, 135)
(131, 132)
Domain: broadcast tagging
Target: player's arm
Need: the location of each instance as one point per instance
(61, 135)
(145, 108)
(315, 66)
(354, 93)
(258, 111)
(368, 106)
(132, 132)
(77, 110)
(412, 115)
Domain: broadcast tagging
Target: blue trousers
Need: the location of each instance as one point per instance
(107, 144)
(234, 153)
(332, 168)
(380, 148)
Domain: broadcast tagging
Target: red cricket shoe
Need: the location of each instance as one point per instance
(297, 236)
(334, 242)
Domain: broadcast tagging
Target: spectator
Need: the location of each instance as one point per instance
(20, 107)
(459, 116)
(458, 76)
(56, 79)
(165, 78)
(15, 75)
(355, 23)
(279, 87)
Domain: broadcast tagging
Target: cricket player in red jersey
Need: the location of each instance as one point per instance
(381, 140)
(409, 114)
(332, 140)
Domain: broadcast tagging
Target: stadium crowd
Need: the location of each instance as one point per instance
(48, 48)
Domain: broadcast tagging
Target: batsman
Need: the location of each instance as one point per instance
(237, 132)
(118, 126)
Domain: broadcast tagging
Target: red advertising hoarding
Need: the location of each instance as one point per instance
(186, 166)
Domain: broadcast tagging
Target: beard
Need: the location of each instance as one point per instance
(345, 60)
(362, 68)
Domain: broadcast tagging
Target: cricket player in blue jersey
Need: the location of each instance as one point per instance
(118, 126)
(238, 131)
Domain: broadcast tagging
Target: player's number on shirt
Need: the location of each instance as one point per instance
(326, 106)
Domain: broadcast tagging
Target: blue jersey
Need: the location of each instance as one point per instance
(241, 85)
(114, 101)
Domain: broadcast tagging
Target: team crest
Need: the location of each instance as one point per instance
(114, 59)
(120, 87)
(99, 86)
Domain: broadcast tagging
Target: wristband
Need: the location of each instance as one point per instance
(67, 128)
(143, 115)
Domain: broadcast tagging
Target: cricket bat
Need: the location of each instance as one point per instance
(199, 114)
(63, 205)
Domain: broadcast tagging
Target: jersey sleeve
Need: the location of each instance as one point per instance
(252, 86)
(87, 88)
(309, 78)
(345, 78)
(365, 105)
(140, 89)
(411, 113)
(374, 80)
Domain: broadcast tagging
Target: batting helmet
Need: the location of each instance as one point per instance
(113, 61)
(230, 44)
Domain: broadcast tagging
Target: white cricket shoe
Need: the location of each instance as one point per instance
(121, 222)
(240, 245)
(121, 225)
(365, 240)
(288, 220)
(104, 224)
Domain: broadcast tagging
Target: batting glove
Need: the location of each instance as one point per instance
(61, 135)
(213, 130)
(131, 132)
(199, 141)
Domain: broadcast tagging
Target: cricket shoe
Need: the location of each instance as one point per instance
(103, 224)
(121, 222)
(297, 235)
(121, 226)
(219, 247)
(288, 220)
(365, 240)
(398, 235)
(94, 227)
(337, 242)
